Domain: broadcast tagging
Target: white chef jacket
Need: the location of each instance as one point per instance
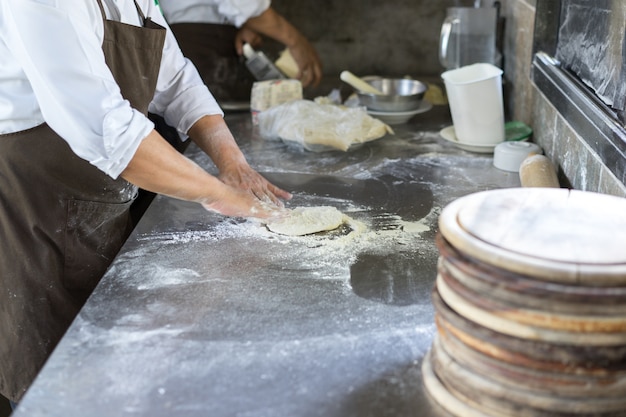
(52, 70)
(232, 12)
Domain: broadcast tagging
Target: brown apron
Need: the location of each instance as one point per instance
(62, 220)
(211, 47)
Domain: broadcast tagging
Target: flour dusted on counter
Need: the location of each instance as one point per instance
(324, 256)
(307, 220)
(320, 127)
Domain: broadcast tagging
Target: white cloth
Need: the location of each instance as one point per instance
(52, 70)
(232, 12)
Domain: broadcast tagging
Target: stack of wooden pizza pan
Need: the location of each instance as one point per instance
(530, 305)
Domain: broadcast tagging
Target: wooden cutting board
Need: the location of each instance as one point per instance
(494, 320)
(442, 396)
(528, 353)
(608, 384)
(491, 397)
(582, 323)
(552, 234)
(523, 291)
(517, 292)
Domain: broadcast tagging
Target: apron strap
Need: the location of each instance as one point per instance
(139, 11)
(104, 16)
(143, 17)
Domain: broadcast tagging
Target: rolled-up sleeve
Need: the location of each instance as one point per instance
(181, 96)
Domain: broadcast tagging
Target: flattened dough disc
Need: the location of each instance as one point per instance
(307, 220)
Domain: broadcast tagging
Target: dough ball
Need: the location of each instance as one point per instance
(307, 220)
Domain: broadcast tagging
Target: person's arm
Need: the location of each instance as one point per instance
(240, 191)
(212, 135)
(270, 23)
(187, 104)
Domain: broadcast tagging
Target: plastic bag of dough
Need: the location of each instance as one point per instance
(320, 127)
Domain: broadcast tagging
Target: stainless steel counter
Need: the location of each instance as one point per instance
(202, 315)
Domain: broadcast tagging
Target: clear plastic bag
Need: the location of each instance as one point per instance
(320, 127)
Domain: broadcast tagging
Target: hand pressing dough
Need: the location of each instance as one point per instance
(307, 220)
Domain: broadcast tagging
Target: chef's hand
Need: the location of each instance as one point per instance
(237, 202)
(156, 166)
(270, 23)
(309, 64)
(212, 135)
(243, 177)
(246, 35)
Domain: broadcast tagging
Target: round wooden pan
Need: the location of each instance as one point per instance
(515, 328)
(601, 385)
(528, 353)
(523, 291)
(487, 395)
(516, 294)
(443, 397)
(543, 319)
(553, 234)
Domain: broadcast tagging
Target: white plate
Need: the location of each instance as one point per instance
(449, 134)
(399, 117)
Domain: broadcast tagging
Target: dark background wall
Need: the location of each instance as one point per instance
(392, 37)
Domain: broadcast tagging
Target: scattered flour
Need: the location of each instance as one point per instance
(327, 255)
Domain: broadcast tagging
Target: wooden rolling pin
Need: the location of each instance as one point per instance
(357, 83)
(538, 171)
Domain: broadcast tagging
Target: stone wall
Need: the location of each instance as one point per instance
(578, 165)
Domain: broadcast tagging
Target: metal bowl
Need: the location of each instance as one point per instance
(399, 94)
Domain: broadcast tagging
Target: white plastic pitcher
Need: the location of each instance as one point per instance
(475, 98)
